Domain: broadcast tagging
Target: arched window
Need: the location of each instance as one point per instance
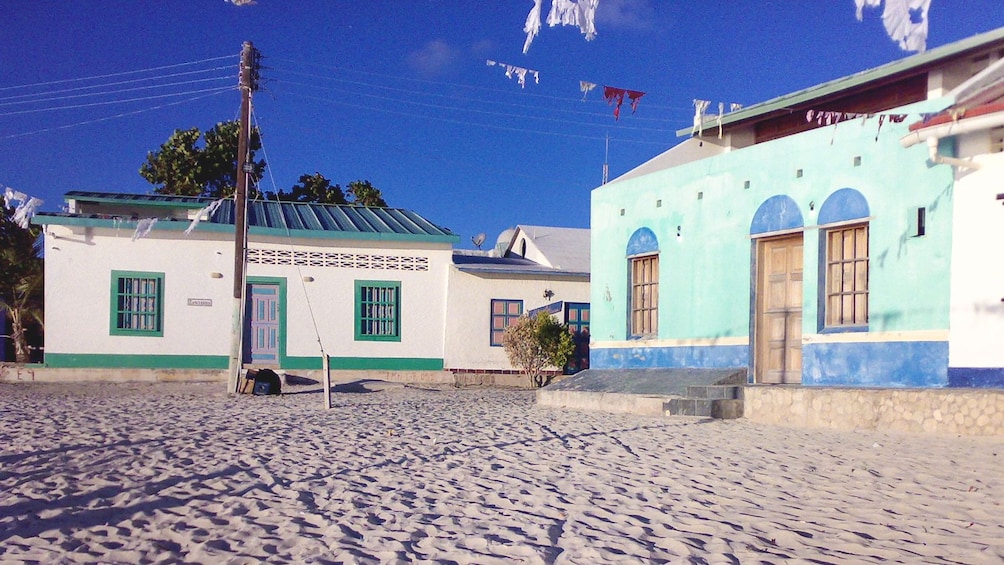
(643, 270)
(843, 221)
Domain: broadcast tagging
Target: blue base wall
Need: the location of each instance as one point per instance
(876, 364)
(992, 377)
(697, 357)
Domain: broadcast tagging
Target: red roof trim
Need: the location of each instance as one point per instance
(960, 114)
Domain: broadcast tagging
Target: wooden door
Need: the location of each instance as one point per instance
(778, 324)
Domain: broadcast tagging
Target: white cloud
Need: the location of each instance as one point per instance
(625, 14)
(436, 58)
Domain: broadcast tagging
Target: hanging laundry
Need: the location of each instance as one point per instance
(905, 21)
(208, 211)
(580, 13)
(585, 87)
(143, 228)
(699, 107)
(879, 130)
(613, 94)
(519, 72)
(25, 210)
(532, 25)
(10, 195)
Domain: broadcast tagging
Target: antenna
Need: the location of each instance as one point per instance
(606, 158)
(478, 240)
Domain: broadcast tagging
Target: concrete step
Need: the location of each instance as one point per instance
(688, 407)
(713, 392)
(720, 408)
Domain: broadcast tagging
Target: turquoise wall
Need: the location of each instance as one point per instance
(705, 273)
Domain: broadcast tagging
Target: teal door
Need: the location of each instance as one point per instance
(577, 318)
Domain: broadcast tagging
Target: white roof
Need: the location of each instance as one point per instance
(563, 248)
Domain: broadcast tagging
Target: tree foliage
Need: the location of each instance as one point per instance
(314, 188)
(21, 280)
(365, 194)
(536, 343)
(185, 167)
(317, 188)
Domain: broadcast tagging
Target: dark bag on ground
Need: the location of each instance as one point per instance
(266, 382)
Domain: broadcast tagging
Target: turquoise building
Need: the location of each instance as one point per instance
(825, 237)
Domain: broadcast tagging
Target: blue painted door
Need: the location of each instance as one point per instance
(262, 341)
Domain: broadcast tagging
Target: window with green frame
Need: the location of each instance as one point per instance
(504, 312)
(137, 303)
(378, 311)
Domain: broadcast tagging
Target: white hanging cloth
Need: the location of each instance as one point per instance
(905, 21)
(580, 13)
(24, 212)
(208, 211)
(143, 228)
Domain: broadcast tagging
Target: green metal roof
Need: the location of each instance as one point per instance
(166, 200)
(901, 67)
(268, 217)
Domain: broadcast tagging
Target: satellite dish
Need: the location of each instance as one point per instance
(478, 240)
(503, 241)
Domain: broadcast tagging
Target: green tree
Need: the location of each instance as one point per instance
(535, 343)
(182, 166)
(21, 280)
(314, 188)
(365, 194)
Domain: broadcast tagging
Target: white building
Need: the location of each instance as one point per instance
(531, 268)
(378, 290)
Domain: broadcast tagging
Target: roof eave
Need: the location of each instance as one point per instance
(874, 75)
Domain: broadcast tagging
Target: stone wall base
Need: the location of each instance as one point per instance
(961, 411)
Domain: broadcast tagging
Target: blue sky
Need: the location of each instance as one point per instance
(399, 93)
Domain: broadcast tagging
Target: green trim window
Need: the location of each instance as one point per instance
(847, 276)
(137, 303)
(378, 311)
(504, 312)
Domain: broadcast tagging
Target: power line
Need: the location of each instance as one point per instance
(114, 92)
(139, 99)
(480, 125)
(107, 118)
(124, 73)
(448, 84)
(117, 83)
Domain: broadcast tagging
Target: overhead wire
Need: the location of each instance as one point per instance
(109, 117)
(108, 102)
(458, 97)
(114, 92)
(123, 73)
(444, 83)
(117, 83)
(465, 122)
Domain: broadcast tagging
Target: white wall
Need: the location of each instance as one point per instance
(977, 313)
(78, 266)
(468, 310)
(79, 262)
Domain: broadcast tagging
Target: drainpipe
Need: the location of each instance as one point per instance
(933, 134)
(935, 157)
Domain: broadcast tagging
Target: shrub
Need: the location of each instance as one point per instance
(535, 343)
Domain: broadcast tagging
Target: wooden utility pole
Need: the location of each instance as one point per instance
(247, 72)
